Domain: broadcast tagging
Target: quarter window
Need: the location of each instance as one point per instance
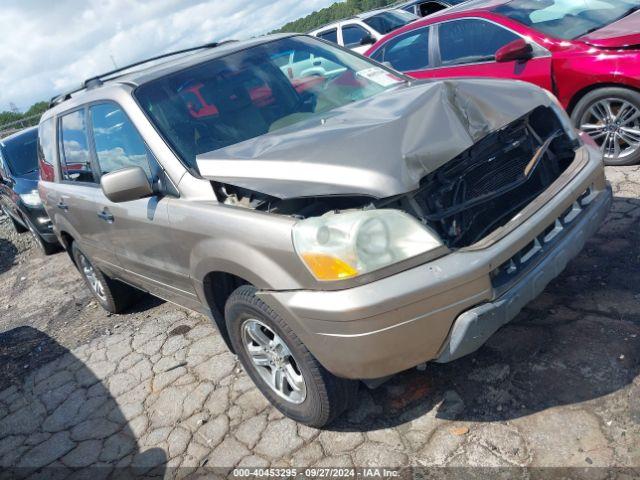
(76, 161)
(329, 35)
(46, 150)
(352, 35)
(406, 53)
(471, 41)
(118, 143)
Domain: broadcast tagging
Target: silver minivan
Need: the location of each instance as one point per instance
(337, 226)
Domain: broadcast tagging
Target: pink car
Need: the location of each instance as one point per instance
(585, 52)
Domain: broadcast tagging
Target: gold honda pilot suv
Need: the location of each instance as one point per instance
(336, 220)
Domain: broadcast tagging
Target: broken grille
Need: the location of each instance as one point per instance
(487, 185)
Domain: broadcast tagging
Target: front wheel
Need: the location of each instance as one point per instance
(280, 365)
(611, 116)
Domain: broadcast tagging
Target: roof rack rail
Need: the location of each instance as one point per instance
(97, 80)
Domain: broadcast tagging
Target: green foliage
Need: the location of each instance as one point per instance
(337, 11)
(26, 119)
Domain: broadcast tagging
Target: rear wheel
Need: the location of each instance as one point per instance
(611, 116)
(280, 365)
(112, 295)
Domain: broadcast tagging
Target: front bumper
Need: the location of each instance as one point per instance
(38, 217)
(448, 307)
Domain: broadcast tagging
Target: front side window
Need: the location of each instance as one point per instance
(471, 41)
(389, 21)
(118, 143)
(352, 35)
(20, 153)
(74, 152)
(407, 52)
(47, 150)
(567, 19)
(329, 35)
(250, 93)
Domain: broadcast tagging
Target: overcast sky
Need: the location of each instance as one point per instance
(49, 45)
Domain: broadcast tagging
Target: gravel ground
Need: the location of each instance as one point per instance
(155, 389)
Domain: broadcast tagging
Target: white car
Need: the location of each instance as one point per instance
(360, 32)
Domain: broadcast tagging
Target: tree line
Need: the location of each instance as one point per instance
(337, 11)
(314, 20)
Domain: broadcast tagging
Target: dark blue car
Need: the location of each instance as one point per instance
(19, 197)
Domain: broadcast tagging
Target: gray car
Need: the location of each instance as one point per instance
(336, 227)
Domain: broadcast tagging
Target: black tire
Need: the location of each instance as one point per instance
(616, 94)
(327, 396)
(117, 296)
(45, 247)
(17, 226)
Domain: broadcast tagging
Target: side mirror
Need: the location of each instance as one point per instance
(367, 40)
(126, 185)
(518, 50)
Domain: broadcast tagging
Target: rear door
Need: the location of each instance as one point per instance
(466, 48)
(139, 230)
(73, 199)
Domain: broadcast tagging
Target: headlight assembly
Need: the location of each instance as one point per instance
(31, 199)
(345, 245)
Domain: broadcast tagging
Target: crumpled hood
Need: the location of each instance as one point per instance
(379, 147)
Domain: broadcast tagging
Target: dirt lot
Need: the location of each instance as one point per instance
(155, 388)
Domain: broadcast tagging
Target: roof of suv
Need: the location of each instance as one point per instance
(359, 16)
(146, 72)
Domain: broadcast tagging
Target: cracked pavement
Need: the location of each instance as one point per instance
(156, 388)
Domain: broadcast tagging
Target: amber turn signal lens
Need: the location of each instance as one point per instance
(328, 267)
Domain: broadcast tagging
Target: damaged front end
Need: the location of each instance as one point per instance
(500, 156)
(484, 187)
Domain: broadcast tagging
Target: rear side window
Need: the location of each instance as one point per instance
(407, 52)
(352, 35)
(75, 162)
(46, 150)
(118, 143)
(329, 35)
(471, 41)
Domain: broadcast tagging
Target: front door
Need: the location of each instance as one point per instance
(467, 48)
(139, 230)
(73, 198)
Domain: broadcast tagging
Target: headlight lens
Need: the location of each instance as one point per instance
(344, 245)
(31, 199)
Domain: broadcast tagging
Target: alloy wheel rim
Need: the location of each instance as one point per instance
(614, 124)
(94, 282)
(273, 360)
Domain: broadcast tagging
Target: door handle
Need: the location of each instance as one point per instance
(106, 216)
(62, 206)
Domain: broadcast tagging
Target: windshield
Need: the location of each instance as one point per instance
(388, 21)
(20, 152)
(255, 91)
(567, 19)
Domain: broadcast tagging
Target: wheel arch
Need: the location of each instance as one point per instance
(218, 287)
(580, 94)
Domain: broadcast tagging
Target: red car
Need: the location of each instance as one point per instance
(586, 52)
